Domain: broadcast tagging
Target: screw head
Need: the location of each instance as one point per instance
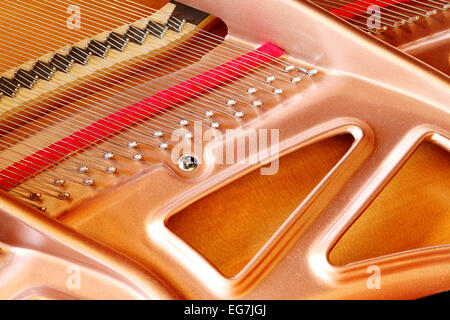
(188, 162)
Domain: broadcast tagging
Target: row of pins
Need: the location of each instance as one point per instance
(63, 63)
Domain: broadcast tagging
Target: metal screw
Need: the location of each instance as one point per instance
(188, 162)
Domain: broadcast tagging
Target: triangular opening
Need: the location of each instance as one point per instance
(229, 226)
(412, 211)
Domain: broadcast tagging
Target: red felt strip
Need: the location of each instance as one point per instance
(21, 171)
(352, 9)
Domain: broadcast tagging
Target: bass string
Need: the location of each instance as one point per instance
(68, 175)
(356, 6)
(48, 109)
(149, 11)
(131, 6)
(356, 15)
(103, 9)
(406, 12)
(32, 146)
(362, 10)
(45, 177)
(36, 186)
(107, 5)
(64, 113)
(193, 45)
(41, 179)
(57, 132)
(58, 178)
(34, 193)
(414, 9)
(404, 5)
(27, 175)
(107, 15)
(26, 200)
(16, 174)
(387, 7)
(22, 152)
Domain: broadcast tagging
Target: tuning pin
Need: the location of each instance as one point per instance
(296, 80)
(132, 144)
(83, 169)
(27, 79)
(289, 68)
(59, 182)
(277, 91)
(257, 103)
(108, 156)
(98, 48)
(34, 196)
(64, 196)
(117, 41)
(80, 56)
(43, 70)
(137, 35)
(111, 170)
(88, 182)
(270, 79)
(175, 24)
(61, 63)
